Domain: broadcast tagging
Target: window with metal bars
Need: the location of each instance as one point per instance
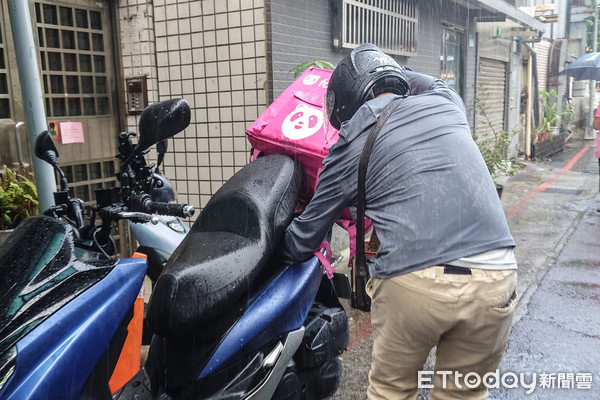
(389, 24)
(84, 179)
(4, 82)
(73, 58)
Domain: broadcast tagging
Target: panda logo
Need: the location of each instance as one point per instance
(311, 79)
(302, 122)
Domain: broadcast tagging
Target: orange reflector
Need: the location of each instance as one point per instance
(131, 354)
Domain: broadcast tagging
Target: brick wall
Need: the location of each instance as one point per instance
(300, 31)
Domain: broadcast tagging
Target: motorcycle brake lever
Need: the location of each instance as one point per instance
(138, 217)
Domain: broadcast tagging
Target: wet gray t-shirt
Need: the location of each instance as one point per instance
(428, 190)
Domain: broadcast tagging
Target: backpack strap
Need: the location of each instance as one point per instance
(360, 272)
(325, 259)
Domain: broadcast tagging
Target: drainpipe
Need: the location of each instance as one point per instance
(18, 141)
(589, 131)
(33, 100)
(528, 114)
(532, 98)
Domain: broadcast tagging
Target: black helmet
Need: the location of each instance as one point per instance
(361, 76)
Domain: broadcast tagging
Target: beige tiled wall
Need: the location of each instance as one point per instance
(214, 58)
(212, 53)
(137, 47)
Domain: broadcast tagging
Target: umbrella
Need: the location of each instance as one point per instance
(585, 67)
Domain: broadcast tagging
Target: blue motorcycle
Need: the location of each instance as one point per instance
(228, 321)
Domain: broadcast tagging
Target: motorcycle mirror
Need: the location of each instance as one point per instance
(163, 120)
(45, 149)
(162, 146)
(161, 149)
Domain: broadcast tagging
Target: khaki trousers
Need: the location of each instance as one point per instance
(468, 318)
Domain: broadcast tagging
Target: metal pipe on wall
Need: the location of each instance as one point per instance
(589, 131)
(528, 120)
(33, 98)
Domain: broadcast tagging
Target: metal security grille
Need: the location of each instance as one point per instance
(4, 82)
(85, 179)
(542, 51)
(491, 92)
(73, 59)
(389, 24)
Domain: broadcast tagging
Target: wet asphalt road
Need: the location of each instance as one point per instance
(551, 208)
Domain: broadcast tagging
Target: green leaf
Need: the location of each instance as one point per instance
(318, 63)
(18, 198)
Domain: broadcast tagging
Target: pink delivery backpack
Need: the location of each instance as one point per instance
(294, 125)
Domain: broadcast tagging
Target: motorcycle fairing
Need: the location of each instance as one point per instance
(40, 275)
(162, 190)
(160, 236)
(56, 358)
(280, 308)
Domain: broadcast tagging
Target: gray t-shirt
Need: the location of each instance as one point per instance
(428, 190)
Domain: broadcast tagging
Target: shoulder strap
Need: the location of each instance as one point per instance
(362, 176)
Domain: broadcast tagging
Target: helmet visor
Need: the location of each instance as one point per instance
(328, 104)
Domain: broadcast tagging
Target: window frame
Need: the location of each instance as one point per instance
(392, 25)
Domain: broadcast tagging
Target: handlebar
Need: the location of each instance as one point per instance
(139, 209)
(175, 210)
(143, 203)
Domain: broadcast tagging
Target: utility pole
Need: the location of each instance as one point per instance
(33, 98)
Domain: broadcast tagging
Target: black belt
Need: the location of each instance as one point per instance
(453, 269)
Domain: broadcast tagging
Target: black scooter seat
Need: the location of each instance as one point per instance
(227, 248)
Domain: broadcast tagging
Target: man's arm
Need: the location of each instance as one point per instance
(306, 232)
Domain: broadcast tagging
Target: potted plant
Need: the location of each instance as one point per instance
(550, 119)
(18, 200)
(494, 146)
(566, 116)
(552, 133)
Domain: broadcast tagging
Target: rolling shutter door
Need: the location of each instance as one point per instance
(542, 51)
(491, 93)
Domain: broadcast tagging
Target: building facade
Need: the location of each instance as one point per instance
(102, 61)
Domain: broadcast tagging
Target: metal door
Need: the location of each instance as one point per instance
(491, 93)
(78, 78)
(78, 73)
